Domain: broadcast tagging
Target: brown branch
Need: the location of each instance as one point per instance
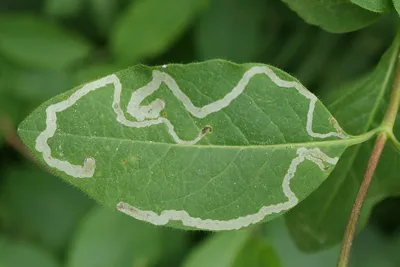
(358, 203)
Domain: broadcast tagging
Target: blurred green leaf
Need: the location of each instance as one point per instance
(357, 53)
(337, 16)
(94, 71)
(219, 250)
(375, 5)
(104, 14)
(279, 237)
(232, 29)
(2, 100)
(108, 238)
(35, 42)
(396, 4)
(257, 252)
(10, 109)
(175, 245)
(319, 221)
(21, 254)
(233, 249)
(41, 206)
(63, 8)
(39, 85)
(374, 250)
(149, 27)
(370, 249)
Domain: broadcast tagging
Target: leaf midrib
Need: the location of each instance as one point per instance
(347, 142)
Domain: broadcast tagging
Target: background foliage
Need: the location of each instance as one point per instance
(49, 46)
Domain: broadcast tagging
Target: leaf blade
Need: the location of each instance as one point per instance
(209, 252)
(137, 36)
(50, 46)
(180, 152)
(374, 5)
(231, 30)
(18, 254)
(126, 243)
(336, 16)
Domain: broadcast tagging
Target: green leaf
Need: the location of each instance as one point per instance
(219, 250)
(164, 146)
(396, 4)
(278, 235)
(2, 139)
(104, 14)
(372, 249)
(149, 27)
(9, 105)
(40, 206)
(95, 71)
(374, 5)
(107, 238)
(21, 254)
(336, 16)
(63, 8)
(34, 42)
(232, 29)
(233, 249)
(258, 252)
(359, 107)
(39, 85)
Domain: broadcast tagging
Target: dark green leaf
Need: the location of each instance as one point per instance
(149, 27)
(41, 206)
(21, 254)
(39, 85)
(257, 252)
(374, 5)
(104, 13)
(107, 238)
(233, 249)
(320, 220)
(226, 165)
(396, 4)
(63, 8)
(372, 249)
(219, 250)
(333, 15)
(232, 29)
(290, 255)
(95, 71)
(35, 42)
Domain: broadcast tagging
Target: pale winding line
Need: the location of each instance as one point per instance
(315, 155)
(148, 115)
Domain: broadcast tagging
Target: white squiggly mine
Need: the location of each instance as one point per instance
(315, 155)
(149, 115)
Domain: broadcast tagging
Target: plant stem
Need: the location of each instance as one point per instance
(393, 108)
(357, 206)
(387, 126)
